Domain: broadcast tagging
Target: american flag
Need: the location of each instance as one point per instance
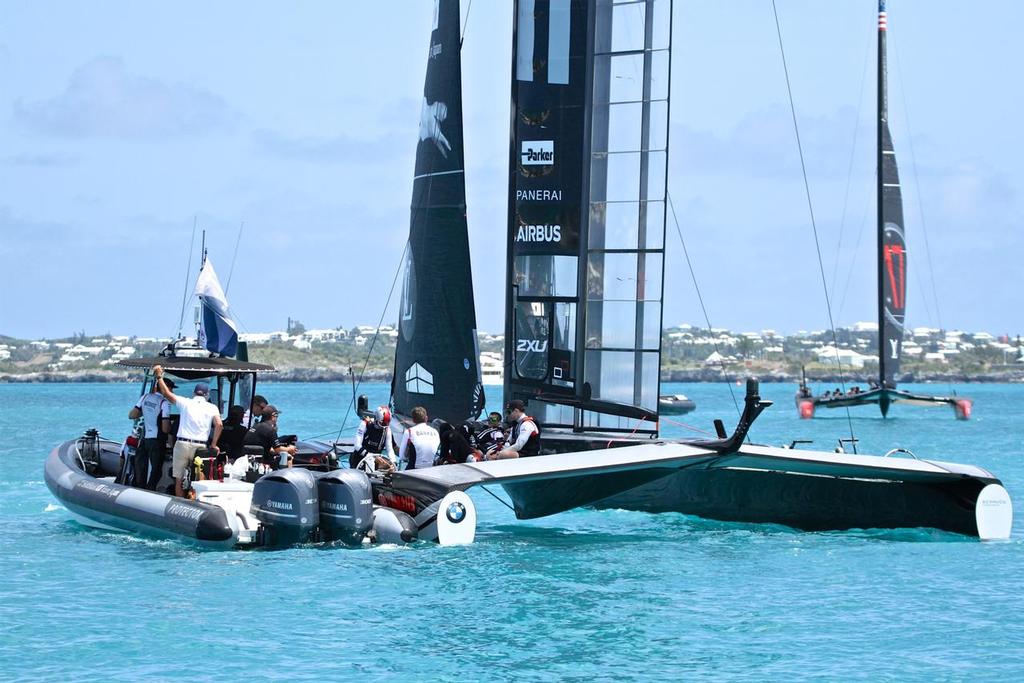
(881, 15)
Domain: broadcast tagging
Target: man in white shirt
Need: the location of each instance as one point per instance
(198, 418)
(419, 442)
(524, 438)
(155, 412)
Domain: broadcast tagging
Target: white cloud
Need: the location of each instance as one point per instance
(102, 99)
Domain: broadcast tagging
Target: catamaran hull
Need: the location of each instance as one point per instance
(812, 491)
(808, 502)
(884, 398)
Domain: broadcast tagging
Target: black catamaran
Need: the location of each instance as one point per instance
(892, 279)
(587, 191)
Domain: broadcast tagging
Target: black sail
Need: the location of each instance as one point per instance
(892, 249)
(437, 362)
(587, 181)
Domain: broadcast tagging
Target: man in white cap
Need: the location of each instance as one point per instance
(198, 418)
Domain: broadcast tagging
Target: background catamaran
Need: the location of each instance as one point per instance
(587, 197)
(892, 278)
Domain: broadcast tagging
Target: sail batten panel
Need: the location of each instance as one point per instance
(604, 173)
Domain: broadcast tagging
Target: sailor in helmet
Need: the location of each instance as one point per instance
(374, 446)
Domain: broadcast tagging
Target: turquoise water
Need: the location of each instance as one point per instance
(582, 595)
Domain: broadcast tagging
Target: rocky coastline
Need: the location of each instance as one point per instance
(710, 375)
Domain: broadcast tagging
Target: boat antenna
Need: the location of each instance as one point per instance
(810, 209)
(373, 342)
(234, 257)
(465, 23)
(188, 272)
(700, 298)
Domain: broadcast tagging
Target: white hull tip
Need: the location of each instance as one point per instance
(993, 511)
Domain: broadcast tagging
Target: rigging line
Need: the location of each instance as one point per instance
(373, 341)
(810, 208)
(465, 25)
(234, 257)
(700, 298)
(853, 156)
(500, 500)
(853, 262)
(917, 191)
(685, 426)
(188, 273)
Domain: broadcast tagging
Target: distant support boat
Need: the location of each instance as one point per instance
(892, 282)
(675, 404)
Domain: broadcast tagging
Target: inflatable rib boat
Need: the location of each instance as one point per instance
(283, 507)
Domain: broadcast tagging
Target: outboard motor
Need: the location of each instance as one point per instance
(285, 503)
(346, 506)
(89, 451)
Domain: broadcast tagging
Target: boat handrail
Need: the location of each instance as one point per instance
(78, 454)
(901, 450)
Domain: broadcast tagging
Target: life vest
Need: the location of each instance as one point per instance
(375, 437)
(532, 445)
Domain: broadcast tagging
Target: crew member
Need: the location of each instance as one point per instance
(232, 438)
(254, 412)
(419, 442)
(454, 446)
(374, 436)
(198, 418)
(524, 439)
(265, 434)
(155, 412)
(490, 437)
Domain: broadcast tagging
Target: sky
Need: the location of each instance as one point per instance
(294, 126)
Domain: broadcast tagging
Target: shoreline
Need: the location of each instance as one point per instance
(698, 375)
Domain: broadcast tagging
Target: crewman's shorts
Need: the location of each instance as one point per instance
(184, 453)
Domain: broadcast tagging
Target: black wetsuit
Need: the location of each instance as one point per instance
(232, 440)
(454, 447)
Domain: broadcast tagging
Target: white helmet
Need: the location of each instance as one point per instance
(382, 416)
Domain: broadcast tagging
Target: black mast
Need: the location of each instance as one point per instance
(892, 251)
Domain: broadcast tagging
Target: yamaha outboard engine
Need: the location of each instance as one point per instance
(346, 506)
(285, 503)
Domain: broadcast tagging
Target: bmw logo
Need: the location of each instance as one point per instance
(456, 512)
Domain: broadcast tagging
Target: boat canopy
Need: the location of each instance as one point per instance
(195, 368)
